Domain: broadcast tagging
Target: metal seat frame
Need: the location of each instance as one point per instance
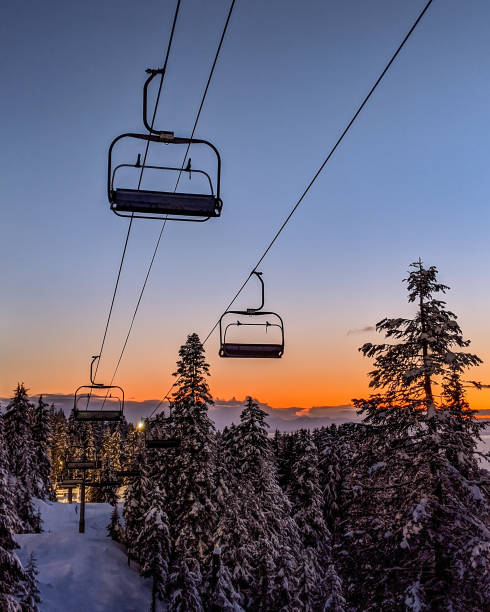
(156, 442)
(165, 138)
(89, 416)
(252, 350)
(70, 483)
(162, 443)
(83, 462)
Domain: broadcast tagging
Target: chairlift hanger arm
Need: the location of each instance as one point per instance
(259, 276)
(188, 171)
(153, 73)
(92, 375)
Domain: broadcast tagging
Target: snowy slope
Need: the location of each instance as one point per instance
(82, 572)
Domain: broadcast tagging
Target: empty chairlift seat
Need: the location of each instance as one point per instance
(94, 416)
(254, 351)
(162, 442)
(108, 408)
(175, 205)
(82, 464)
(165, 203)
(70, 483)
(247, 319)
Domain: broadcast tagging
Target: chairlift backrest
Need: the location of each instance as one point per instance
(156, 204)
(162, 442)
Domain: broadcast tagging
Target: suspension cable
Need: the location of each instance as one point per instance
(312, 181)
(162, 77)
(211, 73)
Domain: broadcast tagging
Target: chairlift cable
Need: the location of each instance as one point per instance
(206, 89)
(312, 181)
(211, 73)
(162, 77)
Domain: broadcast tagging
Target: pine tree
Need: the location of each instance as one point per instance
(307, 510)
(333, 585)
(18, 436)
(28, 514)
(114, 528)
(191, 484)
(435, 541)
(230, 534)
(332, 472)
(32, 596)
(109, 455)
(59, 446)
(260, 541)
(19, 419)
(41, 438)
(153, 543)
(185, 583)
(223, 595)
(11, 571)
(136, 505)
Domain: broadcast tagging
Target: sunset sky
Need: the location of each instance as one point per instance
(410, 180)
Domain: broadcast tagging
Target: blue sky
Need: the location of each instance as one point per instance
(410, 180)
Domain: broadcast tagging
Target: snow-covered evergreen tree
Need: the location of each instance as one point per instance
(11, 571)
(114, 528)
(332, 472)
(41, 437)
(428, 505)
(135, 508)
(154, 544)
(59, 446)
(32, 596)
(109, 455)
(185, 586)
(28, 514)
(191, 483)
(18, 437)
(307, 510)
(260, 541)
(19, 419)
(223, 596)
(333, 586)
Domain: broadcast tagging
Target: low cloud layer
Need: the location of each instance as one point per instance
(361, 330)
(225, 412)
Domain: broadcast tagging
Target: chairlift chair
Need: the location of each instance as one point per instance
(253, 350)
(82, 462)
(162, 443)
(155, 441)
(70, 483)
(127, 473)
(170, 205)
(104, 483)
(90, 415)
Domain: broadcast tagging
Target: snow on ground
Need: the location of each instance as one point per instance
(484, 447)
(82, 572)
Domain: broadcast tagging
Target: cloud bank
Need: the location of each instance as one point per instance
(226, 412)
